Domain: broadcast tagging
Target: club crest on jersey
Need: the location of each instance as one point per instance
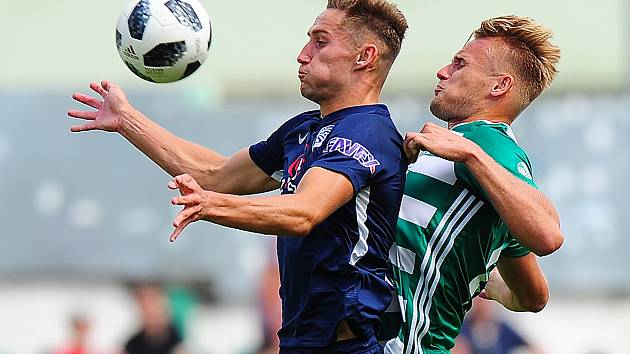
(290, 182)
(322, 135)
(354, 150)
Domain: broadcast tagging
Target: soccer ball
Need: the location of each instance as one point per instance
(163, 40)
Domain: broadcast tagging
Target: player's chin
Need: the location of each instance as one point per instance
(308, 93)
(437, 108)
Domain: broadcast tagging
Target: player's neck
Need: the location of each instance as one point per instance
(485, 116)
(351, 100)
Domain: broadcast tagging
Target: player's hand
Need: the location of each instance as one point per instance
(497, 290)
(193, 198)
(440, 142)
(495, 287)
(109, 110)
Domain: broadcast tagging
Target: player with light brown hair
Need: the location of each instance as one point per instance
(340, 169)
(470, 203)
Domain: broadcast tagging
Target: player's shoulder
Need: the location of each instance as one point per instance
(299, 120)
(498, 141)
(486, 130)
(376, 114)
(304, 116)
(491, 136)
(374, 120)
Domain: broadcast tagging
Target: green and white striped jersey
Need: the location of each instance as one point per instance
(448, 240)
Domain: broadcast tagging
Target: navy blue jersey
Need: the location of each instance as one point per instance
(338, 270)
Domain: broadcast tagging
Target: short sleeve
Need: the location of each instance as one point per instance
(363, 148)
(269, 154)
(514, 249)
(504, 150)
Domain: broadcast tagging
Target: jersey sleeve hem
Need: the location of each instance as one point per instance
(356, 184)
(515, 254)
(259, 162)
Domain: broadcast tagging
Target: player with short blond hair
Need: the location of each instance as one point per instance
(470, 202)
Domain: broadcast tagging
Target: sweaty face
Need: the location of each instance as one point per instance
(464, 83)
(327, 58)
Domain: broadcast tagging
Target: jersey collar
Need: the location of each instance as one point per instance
(365, 109)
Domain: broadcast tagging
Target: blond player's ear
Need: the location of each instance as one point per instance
(502, 85)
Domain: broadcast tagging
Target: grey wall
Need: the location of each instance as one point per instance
(90, 205)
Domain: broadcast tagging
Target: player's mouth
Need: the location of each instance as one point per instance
(301, 75)
(438, 89)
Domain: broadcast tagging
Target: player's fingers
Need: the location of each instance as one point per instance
(409, 137)
(186, 178)
(178, 230)
(428, 126)
(83, 128)
(87, 100)
(420, 141)
(413, 157)
(98, 89)
(188, 213)
(180, 178)
(407, 148)
(185, 200)
(106, 85)
(89, 115)
(187, 181)
(172, 185)
(412, 153)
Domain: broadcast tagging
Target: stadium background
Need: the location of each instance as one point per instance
(84, 214)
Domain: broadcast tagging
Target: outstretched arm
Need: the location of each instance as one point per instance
(518, 284)
(237, 174)
(528, 213)
(289, 215)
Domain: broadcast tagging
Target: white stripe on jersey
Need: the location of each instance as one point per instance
(441, 258)
(403, 258)
(425, 260)
(436, 167)
(445, 240)
(473, 286)
(424, 300)
(361, 248)
(394, 346)
(278, 175)
(416, 211)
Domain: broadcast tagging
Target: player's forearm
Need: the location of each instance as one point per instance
(529, 215)
(174, 155)
(284, 215)
(532, 299)
(506, 298)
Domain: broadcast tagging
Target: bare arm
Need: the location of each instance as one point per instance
(527, 212)
(529, 215)
(518, 284)
(291, 214)
(237, 174)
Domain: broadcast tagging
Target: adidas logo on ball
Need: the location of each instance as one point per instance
(131, 53)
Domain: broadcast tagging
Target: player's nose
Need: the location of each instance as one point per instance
(303, 58)
(444, 73)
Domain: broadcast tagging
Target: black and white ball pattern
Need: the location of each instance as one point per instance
(138, 20)
(185, 14)
(163, 40)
